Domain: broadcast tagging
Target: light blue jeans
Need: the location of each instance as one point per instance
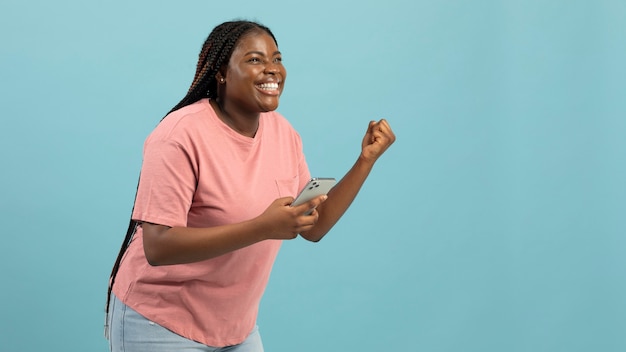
(131, 332)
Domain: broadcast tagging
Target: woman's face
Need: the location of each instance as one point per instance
(255, 76)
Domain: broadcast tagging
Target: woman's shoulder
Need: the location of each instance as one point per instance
(187, 114)
(183, 121)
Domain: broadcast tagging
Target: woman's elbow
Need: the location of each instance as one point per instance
(153, 256)
(154, 247)
(312, 236)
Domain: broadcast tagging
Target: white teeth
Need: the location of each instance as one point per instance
(268, 86)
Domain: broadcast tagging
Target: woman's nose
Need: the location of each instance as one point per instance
(271, 68)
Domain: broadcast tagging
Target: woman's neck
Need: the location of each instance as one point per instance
(240, 122)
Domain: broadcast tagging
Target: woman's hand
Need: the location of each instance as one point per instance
(377, 139)
(281, 221)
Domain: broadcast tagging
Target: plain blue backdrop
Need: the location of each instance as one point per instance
(494, 223)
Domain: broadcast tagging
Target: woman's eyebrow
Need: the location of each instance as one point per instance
(261, 53)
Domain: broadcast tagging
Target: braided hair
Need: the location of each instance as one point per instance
(214, 56)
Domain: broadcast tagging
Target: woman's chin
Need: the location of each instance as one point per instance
(267, 106)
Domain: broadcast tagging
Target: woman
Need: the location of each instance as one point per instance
(213, 202)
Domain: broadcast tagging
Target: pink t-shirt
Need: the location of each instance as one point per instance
(198, 172)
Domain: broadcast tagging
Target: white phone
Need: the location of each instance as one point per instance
(315, 187)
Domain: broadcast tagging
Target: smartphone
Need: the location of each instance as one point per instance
(315, 187)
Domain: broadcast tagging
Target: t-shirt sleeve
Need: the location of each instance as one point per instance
(166, 185)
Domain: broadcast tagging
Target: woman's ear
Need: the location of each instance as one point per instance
(220, 78)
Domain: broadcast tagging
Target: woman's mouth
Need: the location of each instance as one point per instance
(270, 88)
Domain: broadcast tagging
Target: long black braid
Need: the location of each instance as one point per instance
(215, 53)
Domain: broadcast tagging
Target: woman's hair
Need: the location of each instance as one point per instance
(215, 54)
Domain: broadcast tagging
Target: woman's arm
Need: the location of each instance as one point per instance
(377, 139)
(164, 245)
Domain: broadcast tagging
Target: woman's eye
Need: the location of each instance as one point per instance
(254, 59)
(278, 60)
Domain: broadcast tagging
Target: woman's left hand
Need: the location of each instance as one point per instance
(377, 139)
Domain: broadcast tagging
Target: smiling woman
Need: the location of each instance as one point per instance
(199, 248)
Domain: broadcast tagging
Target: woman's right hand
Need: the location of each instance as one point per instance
(281, 221)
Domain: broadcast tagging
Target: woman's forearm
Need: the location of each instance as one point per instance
(180, 245)
(339, 199)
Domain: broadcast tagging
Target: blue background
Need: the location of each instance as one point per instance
(494, 223)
